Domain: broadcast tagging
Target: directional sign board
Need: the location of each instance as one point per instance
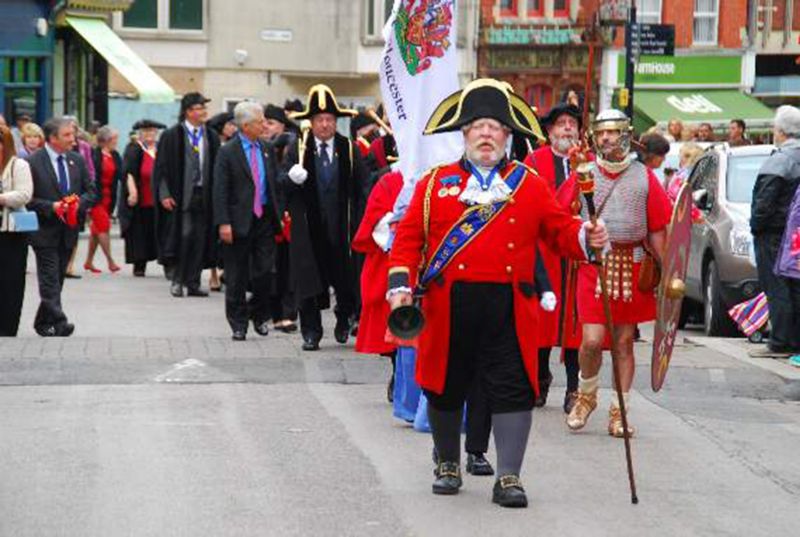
(654, 39)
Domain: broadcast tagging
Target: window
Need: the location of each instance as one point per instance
(535, 8)
(376, 13)
(508, 8)
(186, 14)
(561, 8)
(165, 15)
(648, 11)
(142, 14)
(540, 96)
(706, 18)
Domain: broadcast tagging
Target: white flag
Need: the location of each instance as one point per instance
(418, 70)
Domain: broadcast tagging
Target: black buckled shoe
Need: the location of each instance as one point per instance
(478, 465)
(310, 345)
(176, 290)
(65, 330)
(544, 389)
(508, 492)
(239, 335)
(448, 478)
(197, 292)
(342, 331)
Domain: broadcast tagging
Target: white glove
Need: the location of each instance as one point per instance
(382, 232)
(548, 301)
(298, 174)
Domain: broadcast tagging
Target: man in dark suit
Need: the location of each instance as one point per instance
(326, 185)
(182, 179)
(246, 214)
(57, 172)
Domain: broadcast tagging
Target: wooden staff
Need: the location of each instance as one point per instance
(381, 123)
(305, 126)
(586, 185)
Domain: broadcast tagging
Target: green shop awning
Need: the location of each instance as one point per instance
(717, 107)
(150, 86)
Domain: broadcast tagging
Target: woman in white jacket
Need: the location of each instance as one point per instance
(16, 189)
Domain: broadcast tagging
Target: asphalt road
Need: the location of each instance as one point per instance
(150, 421)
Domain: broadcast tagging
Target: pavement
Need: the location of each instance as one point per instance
(150, 421)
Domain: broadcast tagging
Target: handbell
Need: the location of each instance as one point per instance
(406, 322)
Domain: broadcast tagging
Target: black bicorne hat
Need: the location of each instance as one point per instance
(277, 113)
(321, 100)
(218, 121)
(558, 110)
(484, 98)
(148, 124)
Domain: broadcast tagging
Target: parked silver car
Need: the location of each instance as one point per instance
(722, 269)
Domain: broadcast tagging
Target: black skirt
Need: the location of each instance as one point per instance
(140, 237)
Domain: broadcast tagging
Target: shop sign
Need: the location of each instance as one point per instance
(550, 59)
(693, 104)
(514, 35)
(683, 70)
(654, 39)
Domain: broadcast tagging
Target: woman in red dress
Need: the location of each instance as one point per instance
(108, 164)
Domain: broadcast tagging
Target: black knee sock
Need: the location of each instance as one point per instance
(572, 367)
(510, 439)
(544, 363)
(446, 429)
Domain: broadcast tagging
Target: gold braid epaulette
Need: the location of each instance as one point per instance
(426, 209)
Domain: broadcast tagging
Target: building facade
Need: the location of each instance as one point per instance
(269, 51)
(775, 27)
(538, 46)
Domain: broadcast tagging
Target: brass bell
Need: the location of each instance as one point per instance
(676, 289)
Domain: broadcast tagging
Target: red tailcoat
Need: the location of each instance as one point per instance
(374, 308)
(363, 146)
(550, 326)
(503, 252)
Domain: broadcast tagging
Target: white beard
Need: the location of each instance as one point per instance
(562, 144)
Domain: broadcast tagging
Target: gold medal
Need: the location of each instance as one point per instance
(454, 191)
(443, 192)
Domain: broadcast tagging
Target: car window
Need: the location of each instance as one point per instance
(704, 174)
(742, 173)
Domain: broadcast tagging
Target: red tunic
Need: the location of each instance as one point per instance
(374, 307)
(504, 252)
(542, 161)
(642, 306)
(363, 146)
(378, 150)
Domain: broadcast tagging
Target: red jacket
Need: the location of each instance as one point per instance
(550, 325)
(505, 251)
(374, 308)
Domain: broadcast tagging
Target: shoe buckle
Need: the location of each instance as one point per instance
(448, 469)
(509, 481)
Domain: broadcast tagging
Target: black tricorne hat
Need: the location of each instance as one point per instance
(148, 124)
(360, 121)
(321, 100)
(560, 109)
(191, 99)
(484, 98)
(277, 113)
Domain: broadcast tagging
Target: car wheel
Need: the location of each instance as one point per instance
(716, 321)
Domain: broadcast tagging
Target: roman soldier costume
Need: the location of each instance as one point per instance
(468, 245)
(633, 205)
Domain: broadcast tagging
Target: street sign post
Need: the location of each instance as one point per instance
(653, 39)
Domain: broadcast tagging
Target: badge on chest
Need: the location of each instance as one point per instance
(449, 186)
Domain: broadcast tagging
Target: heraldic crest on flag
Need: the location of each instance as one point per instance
(422, 30)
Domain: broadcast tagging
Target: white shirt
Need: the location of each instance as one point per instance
(328, 148)
(201, 144)
(54, 161)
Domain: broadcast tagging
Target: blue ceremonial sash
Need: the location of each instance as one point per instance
(469, 225)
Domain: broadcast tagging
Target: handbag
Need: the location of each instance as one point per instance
(649, 272)
(21, 220)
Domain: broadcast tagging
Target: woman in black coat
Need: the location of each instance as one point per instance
(136, 206)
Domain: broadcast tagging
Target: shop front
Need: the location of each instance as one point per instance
(694, 89)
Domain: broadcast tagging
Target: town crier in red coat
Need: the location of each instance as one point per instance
(551, 162)
(474, 225)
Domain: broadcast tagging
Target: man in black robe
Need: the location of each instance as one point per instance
(325, 184)
(182, 178)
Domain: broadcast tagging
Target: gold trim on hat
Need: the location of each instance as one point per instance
(321, 91)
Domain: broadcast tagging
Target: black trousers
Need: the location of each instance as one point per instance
(484, 345)
(784, 317)
(248, 263)
(13, 262)
(310, 310)
(193, 247)
(51, 267)
(479, 420)
(282, 303)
